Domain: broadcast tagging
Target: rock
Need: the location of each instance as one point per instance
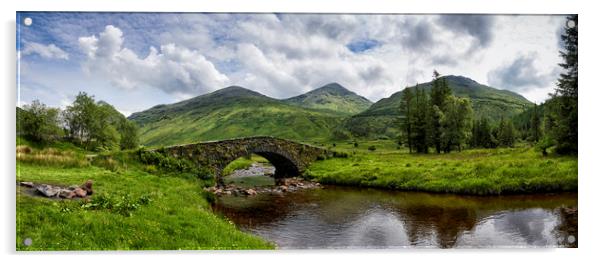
(80, 192)
(68, 194)
(87, 186)
(283, 188)
(27, 184)
(228, 192)
(48, 190)
(251, 192)
(218, 191)
(317, 184)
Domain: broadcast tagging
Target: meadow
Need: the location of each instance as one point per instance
(383, 164)
(134, 206)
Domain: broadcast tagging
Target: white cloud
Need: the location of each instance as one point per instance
(49, 51)
(173, 69)
(185, 55)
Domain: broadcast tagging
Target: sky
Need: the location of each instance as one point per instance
(135, 61)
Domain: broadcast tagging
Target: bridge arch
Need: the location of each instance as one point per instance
(288, 157)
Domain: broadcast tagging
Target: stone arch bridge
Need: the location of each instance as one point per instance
(288, 157)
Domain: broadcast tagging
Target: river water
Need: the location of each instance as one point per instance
(343, 217)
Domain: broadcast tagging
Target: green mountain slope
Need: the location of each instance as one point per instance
(228, 113)
(382, 119)
(333, 97)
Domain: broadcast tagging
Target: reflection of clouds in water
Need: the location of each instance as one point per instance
(531, 227)
(376, 228)
(371, 219)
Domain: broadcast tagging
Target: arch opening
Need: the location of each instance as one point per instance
(249, 171)
(254, 169)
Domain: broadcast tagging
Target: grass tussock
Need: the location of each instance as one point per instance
(50, 157)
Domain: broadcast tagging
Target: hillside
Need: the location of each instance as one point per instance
(383, 117)
(333, 97)
(228, 113)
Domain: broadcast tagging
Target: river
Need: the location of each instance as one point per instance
(344, 217)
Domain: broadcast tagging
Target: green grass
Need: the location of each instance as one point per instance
(136, 210)
(479, 171)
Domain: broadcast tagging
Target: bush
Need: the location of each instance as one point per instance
(167, 163)
(123, 205)
(372, 148)
(340, 154)
(151, 169)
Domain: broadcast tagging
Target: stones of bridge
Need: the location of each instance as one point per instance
(219, 153)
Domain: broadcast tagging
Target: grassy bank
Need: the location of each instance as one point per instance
(479, 171)
(133, 207)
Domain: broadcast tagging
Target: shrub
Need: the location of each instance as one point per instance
(123, 205)
(372, 148)
(150, 168)
(171, 164)
(340, 154)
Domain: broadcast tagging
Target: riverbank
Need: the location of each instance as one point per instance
(479, 171)
(134, 206)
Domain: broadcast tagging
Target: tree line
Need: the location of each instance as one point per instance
(553, 124)
(437, 120)
(95, 125)
(443, 122)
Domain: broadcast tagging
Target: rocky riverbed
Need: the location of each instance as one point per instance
(256, 169)
(285, 185)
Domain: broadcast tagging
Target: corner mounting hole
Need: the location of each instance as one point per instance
(27, 21)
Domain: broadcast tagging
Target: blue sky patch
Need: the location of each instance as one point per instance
(362, 45)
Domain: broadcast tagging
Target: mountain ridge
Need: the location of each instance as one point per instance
(235, 111)
(332, 96)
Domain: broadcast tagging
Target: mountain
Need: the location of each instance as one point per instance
(228, 113)
(333, 97)
(382, 119)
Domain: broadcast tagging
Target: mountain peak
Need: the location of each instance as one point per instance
(332, 97)
(334, 88)
(461, 79)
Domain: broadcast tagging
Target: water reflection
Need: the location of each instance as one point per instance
(340, 217)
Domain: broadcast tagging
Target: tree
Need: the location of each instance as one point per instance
(455, 123)
(98, 126)
(79, 117)
(420, 122)
(39, 122)
(405, 107)
(535, 126)
(506, 134)
(482, 134)
(440, 93)
(565, 131)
